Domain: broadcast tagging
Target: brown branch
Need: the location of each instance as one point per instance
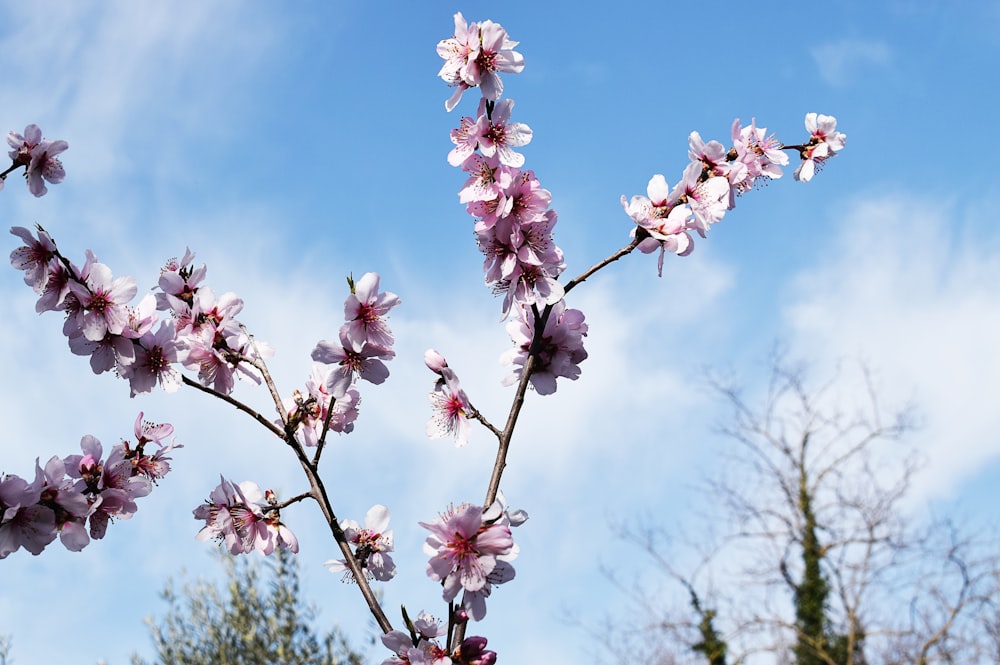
(270, 426)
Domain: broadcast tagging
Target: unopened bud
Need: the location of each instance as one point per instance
(435, 361)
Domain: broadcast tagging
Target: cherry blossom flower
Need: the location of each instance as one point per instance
(45, 166)
(424, 652)
(33, 257)
(559, 352)
(147, 431)
(487, 178)
(69, 505)
(711, 155)
(824, 142)
(451, 409)
(24, 144)
(365, 362)
(310, 410)
(707, 198)
(102, 302)
(372, 544)
(155, 356)
(758, 155)
(464, 551)
(365, 311)
(663, 218)
(466, 138)
(236, 515)
(179, 282)
(501, 135)
(38, 156)
(474, 55)
(24, 523)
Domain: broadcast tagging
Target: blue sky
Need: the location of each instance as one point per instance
(290, 145)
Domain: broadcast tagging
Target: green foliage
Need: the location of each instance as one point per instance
(711, 645)
(812, 592)
(258, 618)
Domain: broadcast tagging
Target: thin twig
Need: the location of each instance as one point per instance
(274, 429)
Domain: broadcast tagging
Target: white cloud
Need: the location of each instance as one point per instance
(924, 310)
(840, 61)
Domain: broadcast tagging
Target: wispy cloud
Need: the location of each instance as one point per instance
(924, 311)
(840, 61)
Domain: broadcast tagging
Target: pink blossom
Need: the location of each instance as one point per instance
(758, 155)
(24, 523)
(212, 341)
(559, 351)
(45, 166)
(179, 282)
(424, 652)
(38, 156)
(69, 505)
(501, 135)
(23, 145)
(146, 431)
(311, 410)
(33, 257)
(708, 197)
(474, 55)
(155, 356)
(663, 218)
(365, 362)
(102, 302)
(824, 142)
(451, 409)
(466, 138)
(236, 516)
(711, 155)
(372, 543)
(487, 178)
(366, 310)
(464, 551)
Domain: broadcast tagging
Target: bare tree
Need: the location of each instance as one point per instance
(820, 563)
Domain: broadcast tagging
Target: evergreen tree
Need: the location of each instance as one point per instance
(257, 618)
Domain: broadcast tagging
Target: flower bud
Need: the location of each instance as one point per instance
(435, 361)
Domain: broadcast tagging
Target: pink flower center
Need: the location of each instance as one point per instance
(368, 314)
(99, 302)
(454, 407)
(462, 548)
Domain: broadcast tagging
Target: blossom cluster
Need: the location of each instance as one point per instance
(715, 176)
(38, 156)
(420, 646)
(470, 551)
(201, 332)
(363, 342)
(513, 221)
(245, 519)
(75, 497)
(470, 548)
(474, 55)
